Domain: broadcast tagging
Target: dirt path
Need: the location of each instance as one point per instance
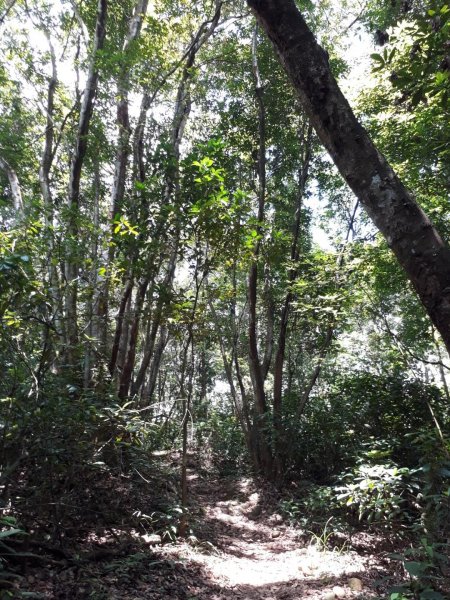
(240, 548)
(246, 551)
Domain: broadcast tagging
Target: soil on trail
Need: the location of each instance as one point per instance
(247, 551)
(240, 548)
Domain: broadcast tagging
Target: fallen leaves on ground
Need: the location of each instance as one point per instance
(240, 548)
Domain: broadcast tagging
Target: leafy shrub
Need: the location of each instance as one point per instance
(434, 498)
(9, 532)
(129, 437)
(381, 494)
(355, 412)
(228, 451)
(422, 565)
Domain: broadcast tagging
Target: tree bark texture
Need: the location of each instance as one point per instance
(415, 242)
(119, 326)
(127, 371)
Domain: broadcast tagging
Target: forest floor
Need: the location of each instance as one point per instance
(248, 551)
(240, 547)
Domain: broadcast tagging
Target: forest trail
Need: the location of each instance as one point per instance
(239, 547)
(247, 551)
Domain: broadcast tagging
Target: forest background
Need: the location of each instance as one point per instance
(163, 281)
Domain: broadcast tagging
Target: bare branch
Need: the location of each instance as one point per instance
(7, 10)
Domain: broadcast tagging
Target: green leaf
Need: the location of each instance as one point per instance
(416, 569)
(10, 532)
(378, 58)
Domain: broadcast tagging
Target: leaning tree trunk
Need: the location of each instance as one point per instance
(417, 245)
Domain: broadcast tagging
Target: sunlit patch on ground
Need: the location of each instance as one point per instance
(250, 554)
(262, 567)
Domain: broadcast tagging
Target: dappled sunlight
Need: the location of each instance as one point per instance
(248, 550)
(262, 566)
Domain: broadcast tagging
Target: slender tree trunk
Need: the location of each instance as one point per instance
(255, 364)
(256, 368)
(172, 185)
(156, 362)
(14, 185)
(48, 154)
(93, 294)
(284, 318)
(47, 158)
(138, 141)
(186, 396)
(441, 367)
(119, 325)
(238, 403)
(79, 154)
(316, 371)
(123, 119)
(156, 322)
(270, 317)
(122, 154)
(127, 371)
(123, 341)
(417, 245)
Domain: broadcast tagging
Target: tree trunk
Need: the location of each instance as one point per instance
(94, 296)
(119, 326)
(127, 371)
(280, 445)
(256, 368)
(14, 185)
(239, 404)
(417, 245)
(156, 362)
(123, 120)
(172, 184)
(47, 158)
(79, 154)
(186, 396)
(164, 294)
